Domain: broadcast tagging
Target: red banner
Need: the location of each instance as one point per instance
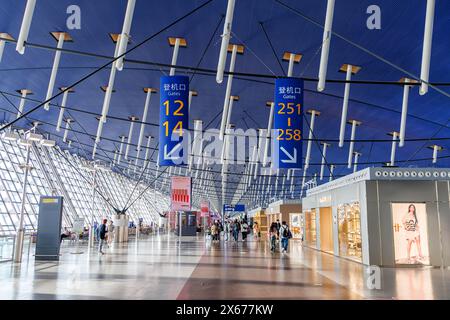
(181, 194)
(204, 208)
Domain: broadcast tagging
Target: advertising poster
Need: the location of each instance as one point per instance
(181, 194)
(409, 222)
(204, 208)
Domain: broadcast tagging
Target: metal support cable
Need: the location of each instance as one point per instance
(106, 65)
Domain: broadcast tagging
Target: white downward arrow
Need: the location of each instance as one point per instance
(168, 156)
(292, 159)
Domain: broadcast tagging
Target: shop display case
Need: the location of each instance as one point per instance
(310, 227)
(261, 218)
(296, 225)
(349, 230)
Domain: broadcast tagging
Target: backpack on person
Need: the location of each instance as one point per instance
(287, 233)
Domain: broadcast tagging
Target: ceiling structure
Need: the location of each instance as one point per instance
(267, 29)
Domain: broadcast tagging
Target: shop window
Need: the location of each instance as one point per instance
(310, 227)
(349, 217)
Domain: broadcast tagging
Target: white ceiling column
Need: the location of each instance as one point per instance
(226, 35)
(234, 49)
(349, 70)
(354, 124)
(24, 93)
(325, 45)
(63, 106)
(60, 37)
(427, 41)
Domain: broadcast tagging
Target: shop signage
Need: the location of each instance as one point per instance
(288, 124)
(181, 194)
(173, 120)
(341, 182)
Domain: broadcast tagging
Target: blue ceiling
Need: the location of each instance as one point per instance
(377, 106)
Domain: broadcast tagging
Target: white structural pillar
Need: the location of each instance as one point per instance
(349, 70)
(271, 105)
(292, 181)
(192, 93)
(122, 141)
(325, 46)
(66, 129)
(230, 109)
(427, 41)
(435, 149)
(125, 35)
(262, 134)
(314, 114)
(355, 164)
(235, 49)
(148, 92)
(404, 115)
(354, 124)
(331, 172)
(226, 35)
(20, 231)
(63, 107)
(196, 144)
(130, 135)
(394, 135)
(147, 150)
(292, 58)
(106, 102)
(109, 89)
(176, 43)
(5, 36)
(324, 156)
(25, 27)
(24, 93)
(61, 37)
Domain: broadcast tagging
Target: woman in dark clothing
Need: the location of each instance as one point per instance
(273, 234)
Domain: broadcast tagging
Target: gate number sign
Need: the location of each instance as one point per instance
(287, 133)
(173, 120)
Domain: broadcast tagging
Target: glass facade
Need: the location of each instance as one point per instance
(58, 172)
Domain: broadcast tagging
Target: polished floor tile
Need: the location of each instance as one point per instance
(163, 267)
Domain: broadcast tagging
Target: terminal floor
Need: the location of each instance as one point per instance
(162, 267)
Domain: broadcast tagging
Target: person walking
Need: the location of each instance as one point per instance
(273, 234)
(244, 230)
(256, 231)
(110, 232)
(236, 228)
(214, 232)
(285, 236)
(102, 231)
(278, 225)
(226, 229)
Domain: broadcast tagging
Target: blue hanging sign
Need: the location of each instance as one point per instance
(234, 208)
(287, 133)
(173, 120)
